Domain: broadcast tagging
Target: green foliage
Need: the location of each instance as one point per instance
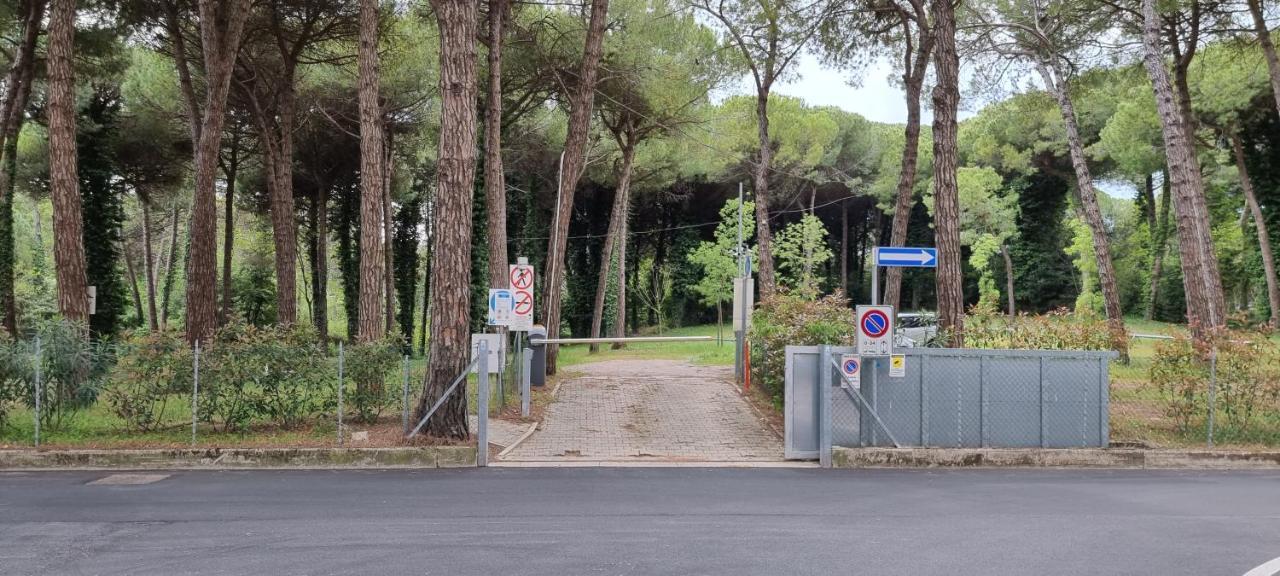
(368, 365)
(404, 244)
(102, 205)
(72, 371)
(151, 368)
(1246, 379)
(280, 374)
(1058, 330)
(254, 289)
(718, 259)
(800, 249)
(794, 320)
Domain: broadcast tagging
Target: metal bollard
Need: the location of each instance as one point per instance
(195, 391)
(525, 399)
(340, 367)
(38, 391)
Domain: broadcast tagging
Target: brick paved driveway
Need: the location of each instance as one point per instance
(650, 410)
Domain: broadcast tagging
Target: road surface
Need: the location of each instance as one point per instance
(640, 521)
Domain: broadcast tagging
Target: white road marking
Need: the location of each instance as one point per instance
(128, 479)
(1269, 569)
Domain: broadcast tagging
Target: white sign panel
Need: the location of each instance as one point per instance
(501, 303)
(897, 366)
(851, 369)
(521, 297)
(494, 342)
(739, 307)
(875, 330)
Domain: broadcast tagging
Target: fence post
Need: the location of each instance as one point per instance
(39, 390)
(982, 401)
(527, 360)
(341, 357)
(404, 399)
(924, 403)
(482, 410)
(1042, 397)
(195, 392)
(824, 406)
(1213, 388)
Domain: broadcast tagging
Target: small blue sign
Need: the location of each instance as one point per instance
(907, 257)
(851, 366)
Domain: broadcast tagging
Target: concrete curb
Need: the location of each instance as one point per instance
(240, 458)
(1065, 458)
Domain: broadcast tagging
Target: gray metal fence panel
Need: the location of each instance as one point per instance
(953, 398)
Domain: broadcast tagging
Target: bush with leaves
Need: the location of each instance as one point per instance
(792, 320)
(368, 365)
(151, 368)
(278, 374)
(15, 367)
(1246, 378)
(987, 328)
(72, 370)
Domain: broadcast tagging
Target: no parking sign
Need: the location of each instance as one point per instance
(851, 369)
(875, 330)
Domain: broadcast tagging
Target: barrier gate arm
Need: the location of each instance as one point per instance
(856, 396)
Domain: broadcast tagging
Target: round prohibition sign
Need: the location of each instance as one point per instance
(521, 278)
(524, 303)
(874, 323)
(850, 366)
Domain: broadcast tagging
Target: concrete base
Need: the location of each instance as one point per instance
(1064, 458)
(245, 458)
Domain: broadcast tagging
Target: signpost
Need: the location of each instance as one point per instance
(851, 368)
(894, 257)
(521, 296)
(875, 330)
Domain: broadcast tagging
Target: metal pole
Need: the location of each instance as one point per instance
(824, 406)
(39, 386)
(527, 360)
(1213, 385)
(340, 367)
(502, 369)
(738, 335)
(404, 399)
(482, 410)
(195, 392)
(875, 276)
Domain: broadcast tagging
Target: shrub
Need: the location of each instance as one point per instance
(15, 366)
(280, 374)
(1246, 377)
(790, 320)
(72, 369)
(368, 366)
(1057, 330)
(150, 369)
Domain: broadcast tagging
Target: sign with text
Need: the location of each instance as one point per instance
(875, 330)
(501, 305)
(744, 302)
(494, 342)
(851, 369)
(897, 366)
(521, 297)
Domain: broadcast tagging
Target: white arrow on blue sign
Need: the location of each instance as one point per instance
(907, 257)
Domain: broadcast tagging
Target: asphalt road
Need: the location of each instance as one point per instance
(642, 521)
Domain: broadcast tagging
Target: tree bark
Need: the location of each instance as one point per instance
(1268, 48)
(495, 191)
(916, 66)
(221, 24)
(1052, 74)
(764, 161)
(946, 96)
(68, 227)
(388, 225)
(21, 72)
(451, 256)
(1260, 224)
(149, 266)
(1206, 306)
(1159, 240)
(229, 234)
(131, 270)
(283, 229)
(170, 267)
(320, 263)
(844, 247)
(372, 244)
(581, 102)
(1008, 279)
(616, 216)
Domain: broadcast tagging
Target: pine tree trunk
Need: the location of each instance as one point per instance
(616, 216)
(495, 191)
(844, 247)
(1008, 279)
(1268, 47)
(388, 225)
(170, 267)
(1260, 224)
(764, 161)
(581, 102)
(229, 235)
(372, 245)
(1160, 238)
(283, 229)
(21, 72)
(149, 266)
(946, 96)
(1206, 305)
(620, 320)
(1092, 212)
(8, 304)
(221, 24)
(68, 227)
(451, 254)
(913, 81)
(320, 264)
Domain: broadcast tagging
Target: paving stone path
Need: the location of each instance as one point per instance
(649, 410)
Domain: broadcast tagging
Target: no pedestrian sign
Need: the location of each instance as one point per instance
(875, 330)
(522, 297)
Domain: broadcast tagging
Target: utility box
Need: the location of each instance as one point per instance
(538, 366)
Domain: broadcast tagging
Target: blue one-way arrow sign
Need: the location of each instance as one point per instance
(907, 257)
